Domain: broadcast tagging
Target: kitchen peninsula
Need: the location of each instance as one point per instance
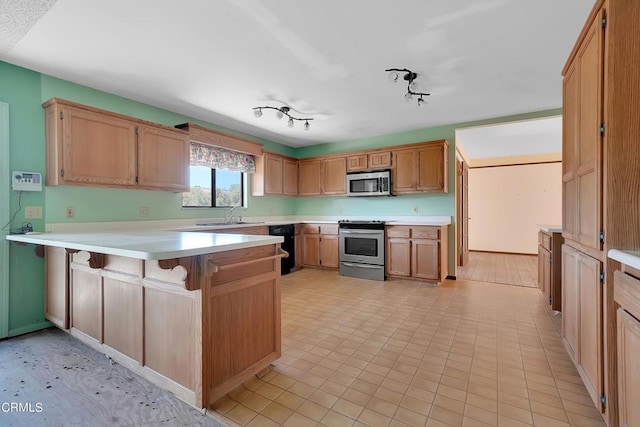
(195, 313)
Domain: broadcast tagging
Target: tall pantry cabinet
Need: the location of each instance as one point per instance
(601, 188)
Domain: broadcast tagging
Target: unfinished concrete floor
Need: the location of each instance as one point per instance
(60, 381)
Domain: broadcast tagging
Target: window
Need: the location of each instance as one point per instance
(226, 185)
(217, 177)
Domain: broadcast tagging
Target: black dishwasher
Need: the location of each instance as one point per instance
(288, 231)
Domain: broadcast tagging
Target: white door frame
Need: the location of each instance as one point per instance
(4, 218)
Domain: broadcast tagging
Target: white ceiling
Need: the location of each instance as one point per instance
(216, 60)
(538, 136)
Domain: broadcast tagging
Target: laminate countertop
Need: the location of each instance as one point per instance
(630, 258)
(150, 245)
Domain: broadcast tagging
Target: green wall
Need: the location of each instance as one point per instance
(25, 91)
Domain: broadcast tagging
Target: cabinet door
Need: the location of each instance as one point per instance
(380, 160)
(590, 365)
(544, 273)
(311, 250)
(334, 176)
(329, 251)
(56, 296)
(309, 178)
(570, 301)
(98, 148)
(424, 259)
(290, 177)
(357, 163)
(273, 175)
(589, 160)
(628, 369)
(163, 158)
(569, 150)
(398, 257)
(404, 171)
(432, 168)
(298, 247)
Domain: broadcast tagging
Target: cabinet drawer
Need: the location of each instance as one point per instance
(626, 292)
(310, 228)
(544, 240)
(425, 233)
(329, 229)
(399, 231)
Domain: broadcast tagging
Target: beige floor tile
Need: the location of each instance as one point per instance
(513, 412)
(347, 408)
(323, 398)
(336, 419)
(584, 421)
(312, 410)
(373, 419)
(241, 415)
(481, 414)
(451, 392)
(297, 420)
(410, 417)
(262, 421)
(541, 420)
(290, 400)
(514, 400)
(269, 391)
(382, 407)
(256, 402)
(356, 397)
(333, 388)
(446, 416)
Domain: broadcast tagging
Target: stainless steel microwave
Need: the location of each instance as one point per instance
(376, 183)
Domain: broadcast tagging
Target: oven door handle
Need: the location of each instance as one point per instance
(375, 233)
(348, 264)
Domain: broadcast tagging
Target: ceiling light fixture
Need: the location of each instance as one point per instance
(410, 77)
(281, 112)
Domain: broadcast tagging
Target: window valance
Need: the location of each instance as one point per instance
(221, 158)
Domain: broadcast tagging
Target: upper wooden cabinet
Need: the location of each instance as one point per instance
(322, 176)
(582, 139)
(421, 169)
(275, 175)
(370, 161)
(162, 155)
(88, 146)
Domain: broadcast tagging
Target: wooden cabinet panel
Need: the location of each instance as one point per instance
(334, 176)
(379, 160)
(311, 228)
(299, 247)
(425, 232)
(86, 302)
(628, 368)
(309, 178)
(432, 168)
(273, 175)
(56, 296)
(357, 163)
(425, 259)
(582, 323)
(590, 355)
(404, 171)
(569, 152)
(570, 301)
(398, 257)
(290, 177)
(399, 231)
(329, 252)
(311, 250)
(163, 158)
(97, 148)
(123, 317)
(329, 229)
(544, 272)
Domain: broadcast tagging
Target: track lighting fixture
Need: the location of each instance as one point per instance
(281, 112)
(410, 77)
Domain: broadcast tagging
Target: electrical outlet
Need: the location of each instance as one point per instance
(145, 211)
(69, 212)
(33, 212)
(415, 209)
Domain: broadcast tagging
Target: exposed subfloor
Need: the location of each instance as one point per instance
(59, 381)
(509, 269)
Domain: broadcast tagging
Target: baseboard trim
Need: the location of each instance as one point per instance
(451, 278)
(30, 328)
(504, 253)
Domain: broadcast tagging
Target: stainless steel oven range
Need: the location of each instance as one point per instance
(361, 246)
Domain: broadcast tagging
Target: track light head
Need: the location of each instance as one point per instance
(410, 77)
(281, 112)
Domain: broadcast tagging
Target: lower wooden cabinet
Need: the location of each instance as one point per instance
(320, 245)
(419, 252)
(582, 325)
(549, 267)
(56, 294)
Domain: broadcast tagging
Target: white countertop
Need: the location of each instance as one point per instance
(148, 244)
(630, 258)
(550, 228)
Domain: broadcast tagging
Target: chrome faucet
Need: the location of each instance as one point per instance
(230, 215)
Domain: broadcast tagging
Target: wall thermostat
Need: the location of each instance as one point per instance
(26, 181)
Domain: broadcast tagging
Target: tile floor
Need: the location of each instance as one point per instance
(402, 353)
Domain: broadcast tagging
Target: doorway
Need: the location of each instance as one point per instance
(4, 219)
